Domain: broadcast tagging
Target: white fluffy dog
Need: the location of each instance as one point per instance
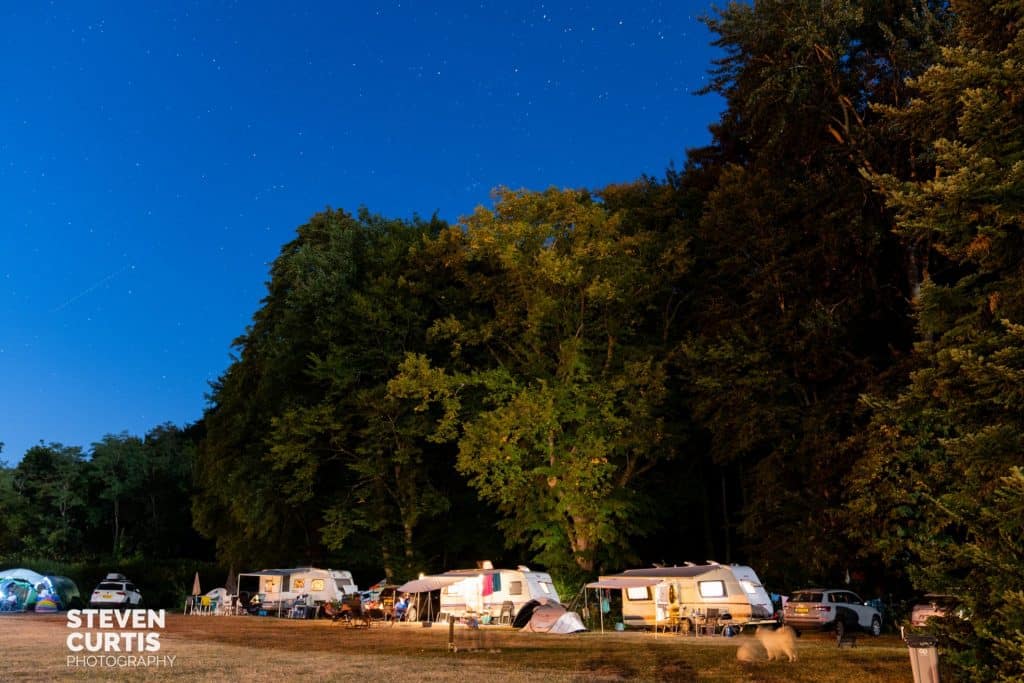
(778, 642)
(771, 644)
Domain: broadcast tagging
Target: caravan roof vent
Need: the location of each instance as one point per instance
(484, 564)
(523, 568)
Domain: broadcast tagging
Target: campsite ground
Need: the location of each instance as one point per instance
(211, 648)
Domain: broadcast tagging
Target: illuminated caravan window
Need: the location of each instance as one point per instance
(748, 586)
(515, 587)
(318, 584)
(638, 593)
(451, 589)
(299, 583)
(712, 589)
(544, 587)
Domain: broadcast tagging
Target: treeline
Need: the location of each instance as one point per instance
(127, 498)
(803, 350)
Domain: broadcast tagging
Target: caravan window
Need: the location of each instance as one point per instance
(318, 584)
(638, 593)
(298, 583)
(748, 586)
(544, 587)
(342, 583)
(515, 587)
(711, 589)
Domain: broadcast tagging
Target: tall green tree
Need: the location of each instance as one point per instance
(803, 286)
(551, 385)
(941, 482)
(51, 483)
(305, 454)
(163, 499)
(116, 465)
(13, 511)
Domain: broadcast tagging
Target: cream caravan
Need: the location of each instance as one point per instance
(484, 591)
(280, 586)
(686, 594)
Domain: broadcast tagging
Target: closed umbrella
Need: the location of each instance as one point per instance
(192, 602)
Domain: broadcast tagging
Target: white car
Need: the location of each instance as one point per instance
(115, 591)
(819, 608)
(934, 605)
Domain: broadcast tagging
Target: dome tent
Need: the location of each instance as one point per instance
(17, 595)
(23, 589)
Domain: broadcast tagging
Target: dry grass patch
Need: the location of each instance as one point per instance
(267, 649)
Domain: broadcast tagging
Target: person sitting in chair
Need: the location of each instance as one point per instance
(356, 605)
(401, 605)
(333, 610)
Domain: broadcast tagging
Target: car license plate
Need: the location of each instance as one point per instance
(801, 610)
(106, 596)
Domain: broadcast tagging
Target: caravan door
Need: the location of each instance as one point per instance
(661, 602)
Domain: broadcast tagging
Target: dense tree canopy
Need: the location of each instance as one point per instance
(128, 496)
(941, 479)
(306, 454)
(557, 383)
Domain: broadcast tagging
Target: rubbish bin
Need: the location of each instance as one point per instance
(924, 658)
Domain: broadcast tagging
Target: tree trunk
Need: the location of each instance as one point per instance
(117, 528)
(725, 520)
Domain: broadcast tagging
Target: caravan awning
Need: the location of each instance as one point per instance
(619, 583)
(429, 583)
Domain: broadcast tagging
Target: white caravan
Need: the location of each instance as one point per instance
(277, 586)
(661, 594)
(484, 591)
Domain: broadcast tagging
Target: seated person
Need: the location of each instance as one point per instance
(300, 607)
(333, 610)
(356, 605)
(401, 606)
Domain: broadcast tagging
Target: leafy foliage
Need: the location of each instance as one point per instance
(306, 454)
(129, 497)
(941, 480)
(556, 395)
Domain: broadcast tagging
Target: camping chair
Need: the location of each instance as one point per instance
(330, 610)
(206, 605)
(226, 606)
(709, 625)
(355, 616)
(505, 615)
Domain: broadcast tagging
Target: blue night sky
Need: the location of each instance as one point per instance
(153, 160)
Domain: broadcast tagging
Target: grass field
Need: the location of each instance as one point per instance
(210, 648)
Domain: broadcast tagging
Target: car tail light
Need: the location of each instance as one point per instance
(823, 608)
(121, 593)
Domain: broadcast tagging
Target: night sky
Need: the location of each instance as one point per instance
(153, 160)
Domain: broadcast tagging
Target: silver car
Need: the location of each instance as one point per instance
(934, 605)
(838, 609)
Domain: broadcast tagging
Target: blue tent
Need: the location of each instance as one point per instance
(22, 590)
(17, 595)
